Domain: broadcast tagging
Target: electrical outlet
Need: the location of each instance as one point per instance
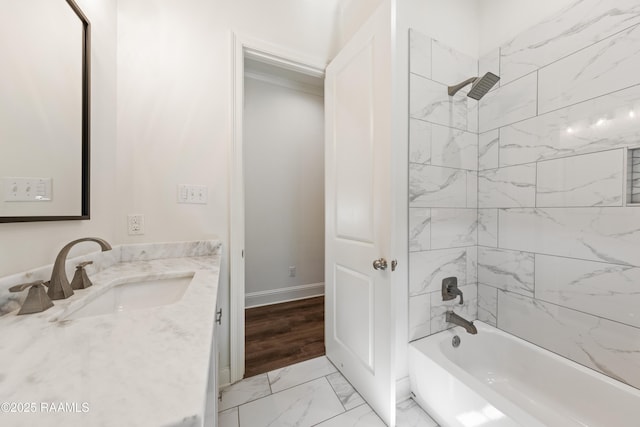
(135, 224)
(292, 271)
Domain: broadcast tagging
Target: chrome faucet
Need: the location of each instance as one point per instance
(468, 326)
(59, 287)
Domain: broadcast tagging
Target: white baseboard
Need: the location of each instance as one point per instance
(224, 377)
(403, 389)
(275, 296)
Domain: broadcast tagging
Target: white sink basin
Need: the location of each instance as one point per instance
(134, 296)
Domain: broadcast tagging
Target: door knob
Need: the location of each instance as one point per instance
(380, 264)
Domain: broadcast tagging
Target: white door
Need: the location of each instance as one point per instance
(358, 321)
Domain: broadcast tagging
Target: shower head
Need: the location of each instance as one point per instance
(479, 85)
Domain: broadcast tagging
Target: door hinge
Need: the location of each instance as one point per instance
(219, 316)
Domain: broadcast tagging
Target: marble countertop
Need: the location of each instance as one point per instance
(145, 367)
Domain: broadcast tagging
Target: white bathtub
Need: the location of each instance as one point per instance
(496, 379)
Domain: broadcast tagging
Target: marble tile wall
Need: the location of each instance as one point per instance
(443, 184)
(580, 24)
(634, 193)
(558, 243)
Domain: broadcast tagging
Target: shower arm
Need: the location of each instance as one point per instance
(454, 89)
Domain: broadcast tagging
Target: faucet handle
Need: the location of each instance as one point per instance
(22, 287)
(37, 298)
(80, 278)
(450, 289)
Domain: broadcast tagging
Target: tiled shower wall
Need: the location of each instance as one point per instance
(634, 190)
(443, 177)
(558, 247)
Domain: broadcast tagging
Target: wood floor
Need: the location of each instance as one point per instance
(278, 335)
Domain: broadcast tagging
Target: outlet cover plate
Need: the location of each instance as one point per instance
(135, 224)
(192, 194)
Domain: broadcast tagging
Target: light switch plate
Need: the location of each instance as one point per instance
(194, 194)
(22, 189)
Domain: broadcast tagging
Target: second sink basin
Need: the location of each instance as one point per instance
(134, 295)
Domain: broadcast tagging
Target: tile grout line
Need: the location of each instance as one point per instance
(559, 256)
(337, 415)
(595, 316)
(271, 392)
(635, 85)
(305, 382)
(617, 33)
(335, 392)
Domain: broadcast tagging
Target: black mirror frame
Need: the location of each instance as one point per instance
(86, 129)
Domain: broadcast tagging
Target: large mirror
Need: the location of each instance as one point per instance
(44, 111)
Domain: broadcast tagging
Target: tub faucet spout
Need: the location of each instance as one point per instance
(467, 325)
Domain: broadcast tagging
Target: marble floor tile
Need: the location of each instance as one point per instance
(409, 414)
(228, 418)
(301, 406)
(245, 391)
(327, 401)
(293, 375)
(345, 391)
(362, 416)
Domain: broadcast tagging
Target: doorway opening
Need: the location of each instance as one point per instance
(277, 282)
(283, 138)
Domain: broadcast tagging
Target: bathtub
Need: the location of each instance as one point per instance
(496, 379)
